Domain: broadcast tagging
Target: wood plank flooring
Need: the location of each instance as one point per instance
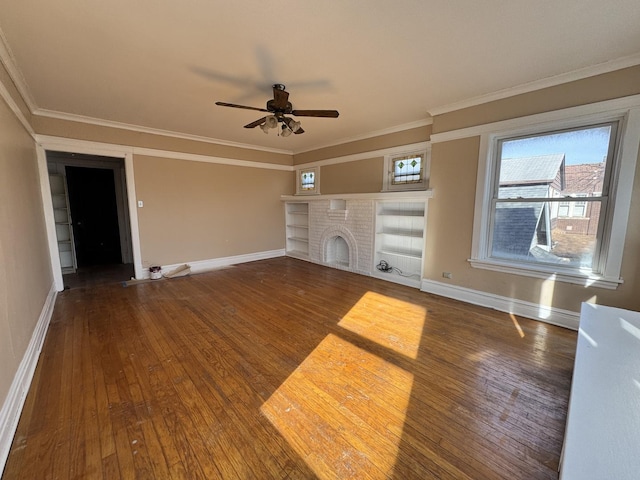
(288, 370)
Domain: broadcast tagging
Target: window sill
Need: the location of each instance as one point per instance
(541, 271)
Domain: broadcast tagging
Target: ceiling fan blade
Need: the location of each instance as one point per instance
(256, 123)
(316, 113)
(223, 104)
(280, 97)
(299, 131)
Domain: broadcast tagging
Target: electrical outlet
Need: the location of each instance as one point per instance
(447, 274)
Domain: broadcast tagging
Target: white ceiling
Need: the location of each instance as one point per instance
(161, 64)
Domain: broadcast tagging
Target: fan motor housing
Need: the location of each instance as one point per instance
(272, 108)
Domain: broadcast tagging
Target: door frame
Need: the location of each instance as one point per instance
(117, 167)
(44, 143)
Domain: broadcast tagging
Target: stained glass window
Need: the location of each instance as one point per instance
(308, 180)
(407, 170)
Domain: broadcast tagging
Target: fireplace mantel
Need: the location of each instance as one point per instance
(417, 194)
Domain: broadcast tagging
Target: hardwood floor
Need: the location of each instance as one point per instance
(98, 275)
(285, 369)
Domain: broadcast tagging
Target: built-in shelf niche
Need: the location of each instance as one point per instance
(297, 229)
(337, 209)
(399, 241)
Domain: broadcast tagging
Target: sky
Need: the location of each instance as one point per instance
(579, 146)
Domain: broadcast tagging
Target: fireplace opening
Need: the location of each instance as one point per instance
(337, 252)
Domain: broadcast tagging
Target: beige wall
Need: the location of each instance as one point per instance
(607, 86)
(405, 137)
(362, 176)
(118, 136)
(453, 178)
(25, 272)
(199, 211)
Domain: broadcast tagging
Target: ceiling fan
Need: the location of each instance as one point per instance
(278, 107)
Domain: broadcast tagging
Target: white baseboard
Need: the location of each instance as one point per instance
(555, 316)
(200, 266)
(12, 407)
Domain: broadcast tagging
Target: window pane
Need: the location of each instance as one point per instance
(531, 232)
(407, 169)
(307, 180)
(568, 165)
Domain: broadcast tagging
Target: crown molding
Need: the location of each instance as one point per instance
(114, 150)
(578, 113)
(8, 60)
(377, 133)
(580, 74)
(72, 117)
(6, 96)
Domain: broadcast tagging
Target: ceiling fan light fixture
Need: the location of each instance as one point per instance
(264, 128)
(285, 131)
(294, 126)
(271, 121)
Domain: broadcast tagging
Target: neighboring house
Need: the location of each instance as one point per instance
(524, 228)
(584, 180)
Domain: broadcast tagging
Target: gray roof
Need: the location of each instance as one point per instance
(523, 170)
(526, 191)
(515, 223)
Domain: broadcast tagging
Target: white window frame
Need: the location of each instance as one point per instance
(621, 190)
(316, 175)
(387, 178)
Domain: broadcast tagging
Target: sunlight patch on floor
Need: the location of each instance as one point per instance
(517, 325)
(389, 322)
(343, 411)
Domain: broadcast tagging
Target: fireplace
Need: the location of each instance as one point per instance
(339, 248)
(340, 234)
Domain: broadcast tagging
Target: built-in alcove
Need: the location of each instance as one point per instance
(337, 204)
(337, 209)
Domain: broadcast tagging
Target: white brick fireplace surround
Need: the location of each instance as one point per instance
(353, 224)
(340, 231)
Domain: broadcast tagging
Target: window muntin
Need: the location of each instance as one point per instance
(537, 179)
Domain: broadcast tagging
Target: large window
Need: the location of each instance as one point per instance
(536, 179)
(554, 201)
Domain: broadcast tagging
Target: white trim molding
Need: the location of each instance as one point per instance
(45, 143)
(552, 315)
(8, 60)
(412, 195)
(580, 74)
(13, 404)
(202, 266)
(378, 133)
(110, 149)
(71, 117)
(354, 157)
(616, 106)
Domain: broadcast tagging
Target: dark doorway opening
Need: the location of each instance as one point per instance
(92, 200)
